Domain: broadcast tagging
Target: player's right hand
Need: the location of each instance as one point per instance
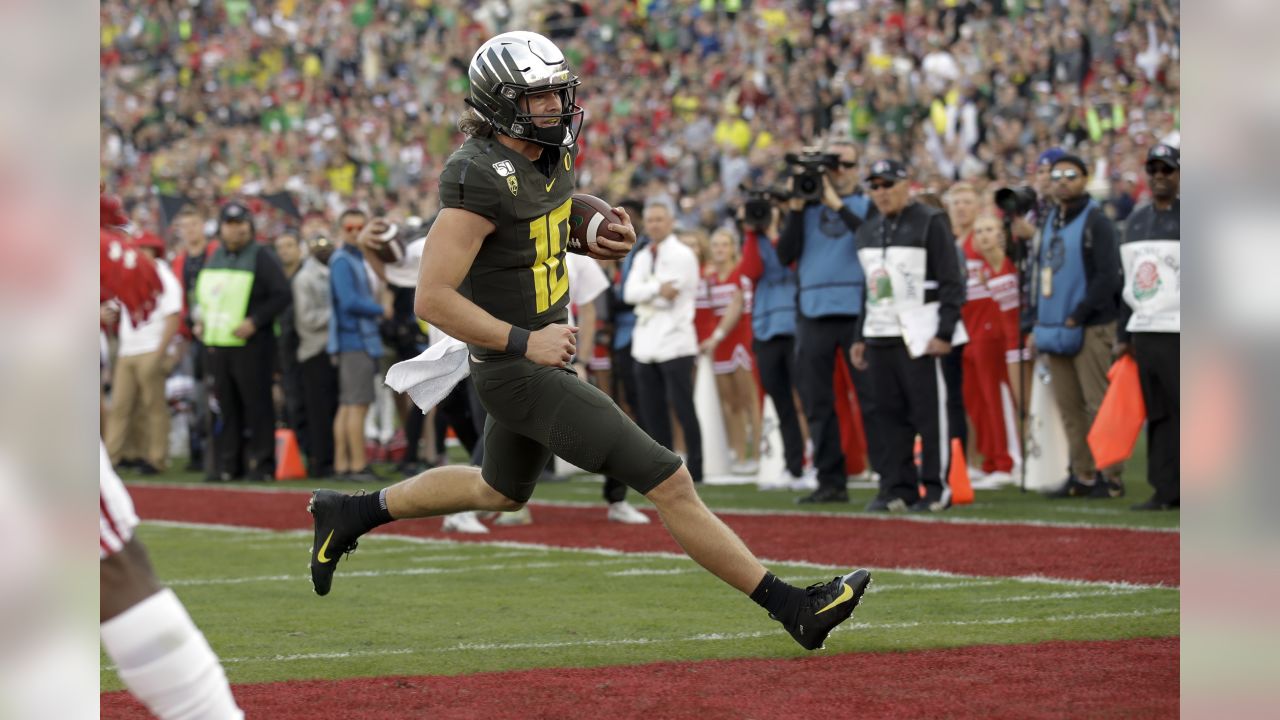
(553, 345)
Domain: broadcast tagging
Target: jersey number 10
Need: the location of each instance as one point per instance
(550, 277)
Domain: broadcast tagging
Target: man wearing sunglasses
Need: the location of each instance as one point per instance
(1151, 319)
(819, 238)
(1076, 293)
(909, 256)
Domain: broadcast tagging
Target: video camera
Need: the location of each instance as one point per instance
(808, 168)
(757, 206)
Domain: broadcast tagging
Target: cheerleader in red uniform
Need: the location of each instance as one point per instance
(989, 314)
(728, 295)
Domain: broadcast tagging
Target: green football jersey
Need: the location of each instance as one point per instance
(519, 274)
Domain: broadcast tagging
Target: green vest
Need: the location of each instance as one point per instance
(222, 294)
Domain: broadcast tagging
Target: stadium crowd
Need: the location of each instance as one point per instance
(292, 129)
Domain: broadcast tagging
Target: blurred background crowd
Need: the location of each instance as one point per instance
(295, 112)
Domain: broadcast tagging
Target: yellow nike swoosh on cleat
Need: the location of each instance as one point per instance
(320, 555)
(845, 594)
(553, 182)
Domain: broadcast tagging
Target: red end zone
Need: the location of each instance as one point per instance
(1121, 679)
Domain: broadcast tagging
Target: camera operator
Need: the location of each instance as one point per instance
(819, 234)
(909, 255)
(773, 325)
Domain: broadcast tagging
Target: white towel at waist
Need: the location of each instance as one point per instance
(430, 377)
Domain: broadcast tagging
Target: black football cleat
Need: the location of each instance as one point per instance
(335, 535)
(825, 606)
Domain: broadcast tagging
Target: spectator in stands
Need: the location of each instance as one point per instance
(355, 340)
(661, 286)
(1078, 281)
(819, 237)
(240, 292)
(1151, 320)
(312, 306)
(729, 346)
(146, 356)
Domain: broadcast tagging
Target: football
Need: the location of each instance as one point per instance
(589, 217)
(388, 246)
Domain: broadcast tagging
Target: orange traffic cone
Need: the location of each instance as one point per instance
(288, 458)
(958, 477)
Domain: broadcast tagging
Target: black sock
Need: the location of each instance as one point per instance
(371, 510)
(776, 596)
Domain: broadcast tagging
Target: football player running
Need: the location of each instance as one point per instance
(493, 275)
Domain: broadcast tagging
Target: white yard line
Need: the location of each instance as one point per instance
(699, 638)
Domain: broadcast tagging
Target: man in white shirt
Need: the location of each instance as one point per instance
(138, 405)
(661, 286)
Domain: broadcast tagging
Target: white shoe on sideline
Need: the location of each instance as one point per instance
(516, 517)
(782, 482)
(463, 522)
(807, 481)
(623, 512)
(999, 478)
(745, 467)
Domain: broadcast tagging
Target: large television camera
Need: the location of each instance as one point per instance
(757, 206)
(807, 169)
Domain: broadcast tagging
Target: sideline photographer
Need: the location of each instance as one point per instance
(819, 235)
(773, 324)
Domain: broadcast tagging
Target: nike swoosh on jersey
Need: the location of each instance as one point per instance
(845, 594)
(320, 555)
(553, 182)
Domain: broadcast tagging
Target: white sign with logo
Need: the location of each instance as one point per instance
(895, 282)
(1153, 285)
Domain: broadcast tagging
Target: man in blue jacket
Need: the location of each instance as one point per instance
(819, 238)
(355, 341)
(1077, 282)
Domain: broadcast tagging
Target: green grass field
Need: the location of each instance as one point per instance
(413, 607)
(410, 606)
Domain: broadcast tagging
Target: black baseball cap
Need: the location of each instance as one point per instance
(234, 211)
(1073, 160)
(1166, 154)
(887, 170)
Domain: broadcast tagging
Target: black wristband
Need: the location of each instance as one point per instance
(518, 341)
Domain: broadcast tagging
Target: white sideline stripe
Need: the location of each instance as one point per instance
(702, 637)
(653, 571)
(775, 513)
(193, 582)
(1061, 596)
(1034, 579)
